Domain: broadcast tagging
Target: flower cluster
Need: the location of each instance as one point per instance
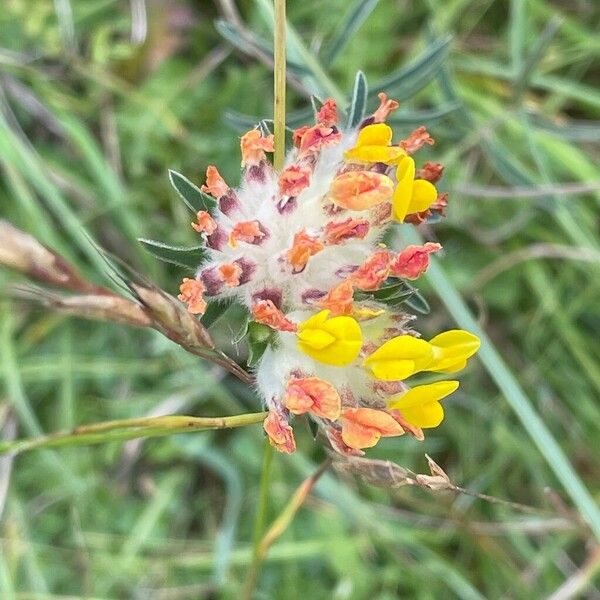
(301, 248)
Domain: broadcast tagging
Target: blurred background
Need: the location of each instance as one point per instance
(98, 99)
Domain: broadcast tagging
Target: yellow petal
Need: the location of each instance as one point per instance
(451, 350)
(335, 341)
(449, 368)
(399, 358)
(423, 394)
(428, 415)
(316, 338)
(404, 190)
(378, 134)
(424, 195)
(373, 145)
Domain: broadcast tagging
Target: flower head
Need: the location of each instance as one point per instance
(301, 250)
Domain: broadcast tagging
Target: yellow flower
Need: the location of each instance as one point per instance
(335, 341)
(403, 356)
(374, 145)
(399, 358)
(411, 195)
(452, 349)
(420, 406)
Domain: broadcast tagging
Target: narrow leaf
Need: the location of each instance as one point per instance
(358, 104)
(194, 199)
(189, 257)
(350, 25)
(405, 82)
(418, 117)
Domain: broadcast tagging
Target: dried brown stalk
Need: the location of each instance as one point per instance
(154, 307)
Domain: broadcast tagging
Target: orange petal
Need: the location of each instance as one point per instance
(431, 171)
(360, 190)
(265, 312)
(315, 138)
(215, 184)
(303, 247)
(313, 395)
(254, 146)
(419, 137)
(373, 272)
(206, 224)
(413, 261)
(416, 432)
(246, 231)
(298, 133)
(327, 114)
(191, 293)
(281, 435)
(385, 108)
(293, 180)
(363, 427)
(230, 274)
(336, 233)
(339, 299)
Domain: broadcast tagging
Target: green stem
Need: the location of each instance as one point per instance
(128, 429)
(279, 81)
(279, 75)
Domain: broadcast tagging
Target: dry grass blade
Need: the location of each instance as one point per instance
(280, 524)
(155, 308)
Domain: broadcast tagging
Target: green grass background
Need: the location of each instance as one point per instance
(90, 121)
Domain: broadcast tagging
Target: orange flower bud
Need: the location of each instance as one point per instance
(293, 180)
(315, 138)
(313, 395)
(303, 247)
(339, 299)
(215, 184)
(373, 272)
(206, 224)
(336, 233)
(418, 138)
(431, 172)
(327, 114)
(245, 231)
(385, 108)
(265, 312)
(281, 435)
(363, 427)
(360, 190)
(191, 293)
(298, 133)
(230, 274)
(413, 261)
(254, 146)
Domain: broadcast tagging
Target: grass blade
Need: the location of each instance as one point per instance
(514, 394)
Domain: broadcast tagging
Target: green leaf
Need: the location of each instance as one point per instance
(407, 81)
(358, 105)
(259, 337)
(417, 302)
(249, 42)
(194, 199)
(214, 311)
(242, 123)
(574, 130)
(189, 257)
(350, 25)
(418, 117)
